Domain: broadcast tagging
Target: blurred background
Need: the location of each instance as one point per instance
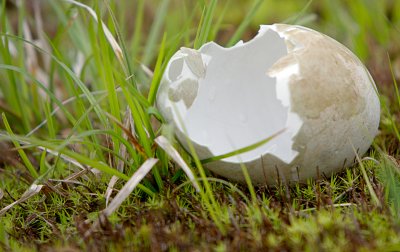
(370, 28)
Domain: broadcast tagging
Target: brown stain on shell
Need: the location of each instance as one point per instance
(329, 73)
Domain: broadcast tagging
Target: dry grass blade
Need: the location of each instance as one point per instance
(130, 185)
(32, 61)
(334, 205)
(62, 156)
(40, 31)
(131, 122)
(367, 181)
(72, 178)
(70, 160)
(65, 102)
(77, 174)
(174, 154)
(31, 57)
(85, 168)
(110, 188)
(67, 181)
(79, 63)
(122, 149)
(32, 191)
(122, 153)
(124, 193)
(147, 71)
(393, 162)
(371, 159)
(11, 47)
(1, 194)
(115, 46)
(130, 136)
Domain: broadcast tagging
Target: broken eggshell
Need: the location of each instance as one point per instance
(287, 78)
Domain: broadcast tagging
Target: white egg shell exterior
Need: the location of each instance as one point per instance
(322, 95)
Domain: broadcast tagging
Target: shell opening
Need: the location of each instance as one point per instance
(224, 99)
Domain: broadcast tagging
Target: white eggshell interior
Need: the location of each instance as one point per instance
(237, 103)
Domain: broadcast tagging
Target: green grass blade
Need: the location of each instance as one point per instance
(205, 24)
(296, 18)
(74, 28)
(12, 92)
(53, 98)
(158, 71)
(396, 88)
(138, 119)
(137, 34)
(249, 184)
(21, 152)
(242, 150)
(367, 181)
(389, 174)
(217, 25)
(206, 193)
(245, 23)
(71, 75)
(82, 159)
(50, 122)
(42, 163)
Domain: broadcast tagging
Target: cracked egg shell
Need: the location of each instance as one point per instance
(288, 78)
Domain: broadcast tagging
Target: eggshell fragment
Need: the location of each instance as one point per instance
(287, 78)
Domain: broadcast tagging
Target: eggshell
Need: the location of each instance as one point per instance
(287, 79)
